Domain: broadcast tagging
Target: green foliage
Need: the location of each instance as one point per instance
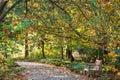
(92, 24)
(10, 27)
(23, 25)
(8, 68)
(56, 62)
(110, 64)
(74, 66)
(118, 57)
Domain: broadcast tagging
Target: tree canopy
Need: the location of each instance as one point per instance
(67, 23)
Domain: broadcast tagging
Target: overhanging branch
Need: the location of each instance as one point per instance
(4, 14)
(2, 5)
(81, 10)
(54, 3)
(58, 6)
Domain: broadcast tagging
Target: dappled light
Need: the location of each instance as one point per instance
(59, 39)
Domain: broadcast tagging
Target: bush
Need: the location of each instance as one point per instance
(8, 68)
(56, 62)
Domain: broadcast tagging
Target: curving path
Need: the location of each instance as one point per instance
(40, 71)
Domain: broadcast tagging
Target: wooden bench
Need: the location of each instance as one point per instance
(90, 68)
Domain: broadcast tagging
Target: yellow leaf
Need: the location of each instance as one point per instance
(35, 5)
(118, 12)
(118, 74)
(112, 18)
(108, 8)
(117, 1)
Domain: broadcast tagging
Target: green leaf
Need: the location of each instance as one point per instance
(18, 11)
(23, 25)
(0, 45)
(1, 32)
(10, 27)
(117, 51)
(93, 3)
(67, 17)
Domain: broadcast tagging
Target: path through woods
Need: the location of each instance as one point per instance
(40, 71)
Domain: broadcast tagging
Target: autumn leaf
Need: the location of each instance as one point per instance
(108, 8)
(117, 1)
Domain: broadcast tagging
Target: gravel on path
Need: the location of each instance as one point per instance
(40, 71)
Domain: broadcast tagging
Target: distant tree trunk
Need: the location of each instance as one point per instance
(43, 53)
(26, 44)
(5, 52)
(69, 55)
(62, 56)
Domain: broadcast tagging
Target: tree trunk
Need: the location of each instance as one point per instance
(26, 44)
(69, 55)
(5, 52)
(62, 56)
(43, 53)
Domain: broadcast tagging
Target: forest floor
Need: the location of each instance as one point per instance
(40, 71)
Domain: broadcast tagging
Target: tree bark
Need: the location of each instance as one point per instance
(2, 5)
(41, 41)
(69, 55)
(5, 52)
(62, 56)
(43, 53)
(26, 44)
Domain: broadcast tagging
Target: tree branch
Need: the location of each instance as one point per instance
(4, 15)
(58, 6)
(65, 13)
(80, 10)
(2, 5)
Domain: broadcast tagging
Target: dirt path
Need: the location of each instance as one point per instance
(40, 71)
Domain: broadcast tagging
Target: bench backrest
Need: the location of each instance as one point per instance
(98, 64)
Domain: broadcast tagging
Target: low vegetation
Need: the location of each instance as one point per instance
(9, 69)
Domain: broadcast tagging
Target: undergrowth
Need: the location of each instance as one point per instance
(8, 69)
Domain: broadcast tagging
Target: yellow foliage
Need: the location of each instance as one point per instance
(118, 74)
(110, 68)
(113, 18)
(36, 5)
(1, 56)
(112, 54)
(108, 8)
(117, 1)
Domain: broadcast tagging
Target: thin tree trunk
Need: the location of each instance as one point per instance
(42, 42)
(26, 44)
(62, 56)
(69, 54)
(5, 52)
(43, 53)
